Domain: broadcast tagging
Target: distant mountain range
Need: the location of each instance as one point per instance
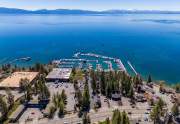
(4, 10)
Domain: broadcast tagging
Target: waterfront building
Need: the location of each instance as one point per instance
(59, 74)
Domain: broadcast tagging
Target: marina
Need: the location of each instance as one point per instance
(91, 61)
(114, 43)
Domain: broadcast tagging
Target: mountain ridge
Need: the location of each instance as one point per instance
(4, 10)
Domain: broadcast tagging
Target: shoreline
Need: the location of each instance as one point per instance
(129, 70)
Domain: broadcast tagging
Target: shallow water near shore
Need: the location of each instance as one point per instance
(150, 42)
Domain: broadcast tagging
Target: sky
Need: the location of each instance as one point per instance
(172, 5)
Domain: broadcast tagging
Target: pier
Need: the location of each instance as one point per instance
(132, 67)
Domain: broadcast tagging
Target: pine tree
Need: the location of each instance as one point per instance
(93, 84)
(177, 87)
(155, 115)
(149, 79)
(64, 96)
(3, 109)
(61, 108)
(131, 93)
(79, 98)
(10, 98)
(55, 101)
(102, 83)
(120, 118)
(86, 98)
(52, 111)
(157, 111)
(175, 109)
(160, 103)
(23, 84)
(86, 119)
(125, 118)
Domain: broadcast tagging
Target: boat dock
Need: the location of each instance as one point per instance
(81, 59)
(76, 55)
(120, 65)
(96, 56)
(109, 65)
(132, 67)
(20, 59)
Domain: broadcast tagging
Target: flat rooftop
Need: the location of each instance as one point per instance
(14, 79)
(59, 73)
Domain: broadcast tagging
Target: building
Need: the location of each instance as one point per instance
(59, 74)
(13, 81)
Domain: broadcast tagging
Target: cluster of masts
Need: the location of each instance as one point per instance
(76, 59)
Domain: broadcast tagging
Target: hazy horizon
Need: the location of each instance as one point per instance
(93, 5)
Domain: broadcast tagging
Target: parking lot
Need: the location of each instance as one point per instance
(31, 114)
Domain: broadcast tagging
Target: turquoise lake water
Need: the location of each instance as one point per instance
(150, 42)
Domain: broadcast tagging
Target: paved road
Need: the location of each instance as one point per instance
(95, 116)
(90, 93)
(166, 98)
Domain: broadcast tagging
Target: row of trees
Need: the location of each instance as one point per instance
(83, 98)
(59, 102)
(114, 81)
(8, 68)
(120, 117)
(157, 111)
(3, 109)
(39, 88)
(6, 104)
(117, 118)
